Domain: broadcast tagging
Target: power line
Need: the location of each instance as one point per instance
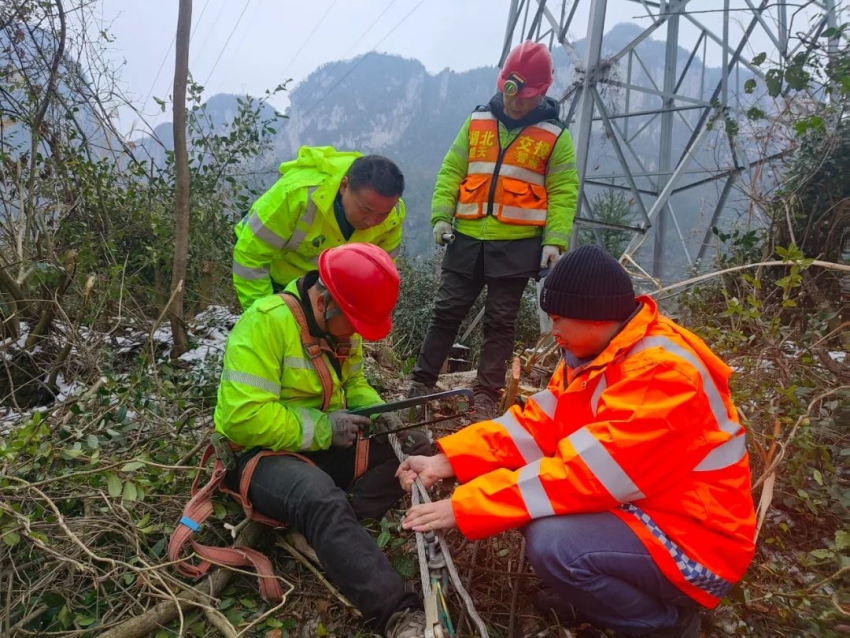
(310, 35)
(232, 31)
(165, 57)
(362, 35)
(362, 59)
(212, 28)
(248, 30)
(200, 17)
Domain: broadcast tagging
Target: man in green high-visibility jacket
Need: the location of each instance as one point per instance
(324, 198)
(279, 394)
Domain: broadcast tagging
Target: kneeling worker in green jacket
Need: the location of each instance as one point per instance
(324, 198)
(275, 397)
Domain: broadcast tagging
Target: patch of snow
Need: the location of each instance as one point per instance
(839, 356)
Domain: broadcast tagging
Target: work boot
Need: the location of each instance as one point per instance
(418, 389)
(485, 407)
(407, 623)
(687, 626)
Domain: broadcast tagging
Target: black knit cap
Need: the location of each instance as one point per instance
(588, 283)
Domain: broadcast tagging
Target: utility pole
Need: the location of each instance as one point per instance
(181, 182)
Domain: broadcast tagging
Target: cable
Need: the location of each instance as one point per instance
(361, 60)
(165, 58)
(248, 29)
(362, 35)
(232, 31)
(310, 35)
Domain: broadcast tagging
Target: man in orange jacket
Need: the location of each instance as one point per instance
(629, 474)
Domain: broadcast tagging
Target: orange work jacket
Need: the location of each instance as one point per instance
(508, 183)
(647, 431)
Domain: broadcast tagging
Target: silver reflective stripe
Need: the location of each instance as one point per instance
(308, 429)
(481, 167)
(355, 367)
(297, 362)
(718, 409)
(394, 253)
(606, 470)
(482, 115)
(522, 214)
(525, 174)
(558, 168)
(556, 236)
(249, 273)
(460, 151)
(554, 129)
(306, 221)
(735, 451)
(467, 209)
(525, 443)
(251, 380)
(724, 456)
(531, 489)
(547, 402)
(600, 388)
(263, 232)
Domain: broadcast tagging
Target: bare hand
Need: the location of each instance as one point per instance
(428, 517)
(428, 469)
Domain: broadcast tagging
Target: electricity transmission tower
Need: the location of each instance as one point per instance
(654, 112)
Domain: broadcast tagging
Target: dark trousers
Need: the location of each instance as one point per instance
(598, 565)
(455, 296)
(314, 499)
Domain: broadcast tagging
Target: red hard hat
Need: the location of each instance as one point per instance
(528, 70)
(364, 283)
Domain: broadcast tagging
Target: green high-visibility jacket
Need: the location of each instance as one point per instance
(291, 223)
(561, 189)
(270, 395)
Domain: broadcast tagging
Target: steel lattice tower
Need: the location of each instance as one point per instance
(652, 131)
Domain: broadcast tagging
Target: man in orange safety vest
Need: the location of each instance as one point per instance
(628, 474)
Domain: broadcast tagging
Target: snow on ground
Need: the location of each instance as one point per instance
(208, 333)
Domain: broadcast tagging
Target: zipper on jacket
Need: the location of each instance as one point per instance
(496, 170)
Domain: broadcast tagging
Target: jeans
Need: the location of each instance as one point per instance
(314, 499)
(598, 565)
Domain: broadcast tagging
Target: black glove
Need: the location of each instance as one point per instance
(387, 422)
(345, 427)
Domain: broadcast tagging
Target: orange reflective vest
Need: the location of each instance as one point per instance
(648, 431)
(510, 182)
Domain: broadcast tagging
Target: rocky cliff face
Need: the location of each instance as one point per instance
(392, 106)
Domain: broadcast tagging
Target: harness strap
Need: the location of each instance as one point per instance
(198, 510)
(312, 347)
(361, 457)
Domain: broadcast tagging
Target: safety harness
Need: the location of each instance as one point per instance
(200, 507)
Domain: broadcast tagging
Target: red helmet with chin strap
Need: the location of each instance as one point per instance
(528, 71)
(363, 281)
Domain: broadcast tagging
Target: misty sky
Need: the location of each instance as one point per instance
(248, 46)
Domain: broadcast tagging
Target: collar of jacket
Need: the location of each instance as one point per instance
(633, 331)
(326, 166)
(547, 110)
(300, 287)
